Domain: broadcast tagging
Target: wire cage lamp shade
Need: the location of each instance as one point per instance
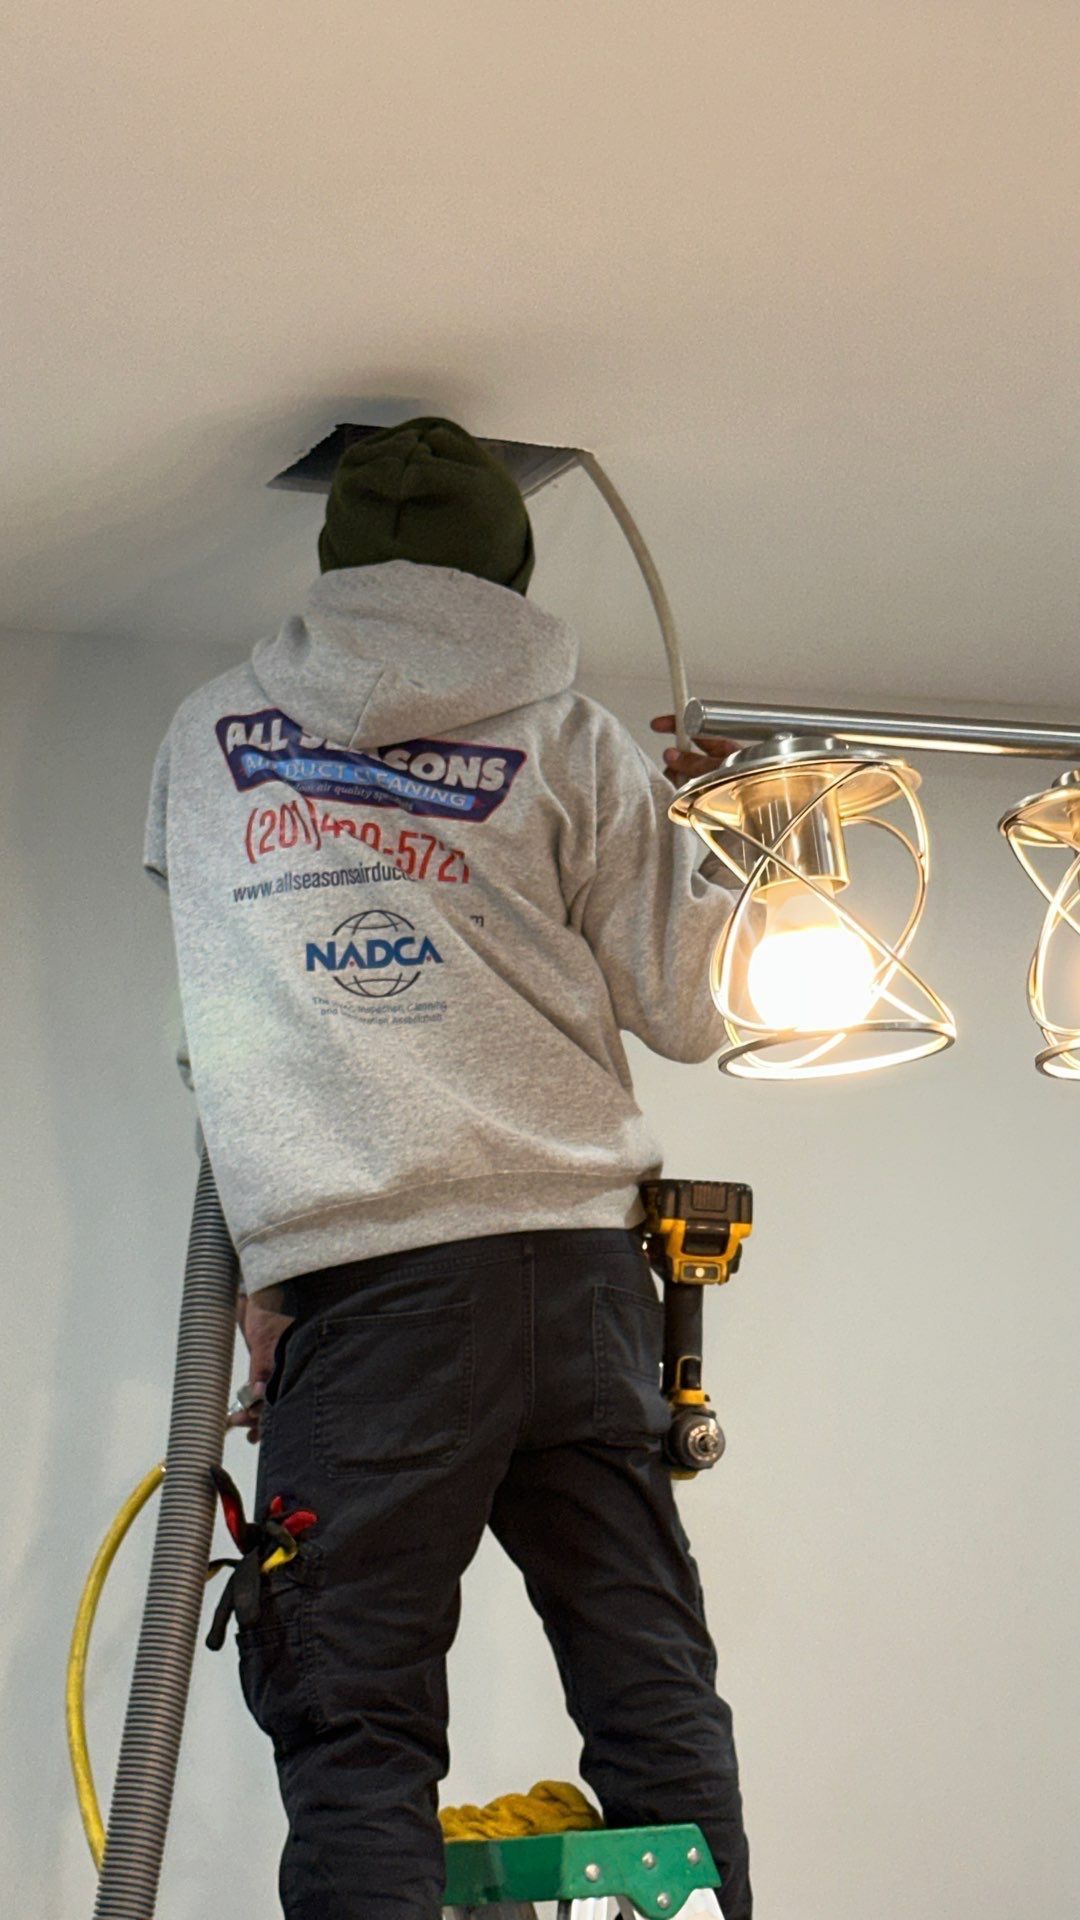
(1043, 831)
(808, 990)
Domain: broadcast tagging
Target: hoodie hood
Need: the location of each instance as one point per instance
(399, 650)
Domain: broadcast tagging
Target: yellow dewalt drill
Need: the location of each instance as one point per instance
(693, 1235)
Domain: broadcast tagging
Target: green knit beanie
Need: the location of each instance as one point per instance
(427, 491)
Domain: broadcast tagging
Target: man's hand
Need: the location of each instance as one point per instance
(679, 767)
(262, 1324)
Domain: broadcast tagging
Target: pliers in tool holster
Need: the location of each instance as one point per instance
(263, 1544)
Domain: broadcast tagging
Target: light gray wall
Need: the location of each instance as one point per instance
(889, 1546)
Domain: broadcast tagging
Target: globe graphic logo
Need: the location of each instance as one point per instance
(375, 983)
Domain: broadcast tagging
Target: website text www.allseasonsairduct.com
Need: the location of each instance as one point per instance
(317, 877)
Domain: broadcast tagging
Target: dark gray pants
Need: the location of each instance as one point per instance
(508, 1381)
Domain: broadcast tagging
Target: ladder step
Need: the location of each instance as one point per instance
(702, 1905)
(661, 1873)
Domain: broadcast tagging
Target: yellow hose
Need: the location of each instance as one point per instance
(75, 1685)
(551, 1806)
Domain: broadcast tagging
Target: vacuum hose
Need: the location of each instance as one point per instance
(149, 1750)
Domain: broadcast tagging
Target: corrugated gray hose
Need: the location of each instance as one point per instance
(150, 1748)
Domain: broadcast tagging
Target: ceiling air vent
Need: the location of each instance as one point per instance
(532, 467)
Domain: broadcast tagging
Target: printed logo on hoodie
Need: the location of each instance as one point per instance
(373, 954)
(446, 779)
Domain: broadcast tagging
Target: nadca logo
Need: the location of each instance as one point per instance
(373, 954)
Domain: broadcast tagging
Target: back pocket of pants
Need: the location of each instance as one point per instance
(393, 1390)
(628, 1335)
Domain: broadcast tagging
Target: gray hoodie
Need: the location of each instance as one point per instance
(418, 886)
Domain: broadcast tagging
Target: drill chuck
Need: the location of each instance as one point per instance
(694, 1440)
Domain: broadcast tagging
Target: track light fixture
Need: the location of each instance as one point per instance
(809, 980)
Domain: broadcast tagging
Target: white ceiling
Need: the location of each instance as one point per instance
(803, 276)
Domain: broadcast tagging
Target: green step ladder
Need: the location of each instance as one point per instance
(660, 1872)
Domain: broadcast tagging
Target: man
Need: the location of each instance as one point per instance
(418, 887)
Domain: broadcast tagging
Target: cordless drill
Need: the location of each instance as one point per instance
(693, 1235)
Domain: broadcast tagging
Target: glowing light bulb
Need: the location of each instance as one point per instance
(811, 977)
